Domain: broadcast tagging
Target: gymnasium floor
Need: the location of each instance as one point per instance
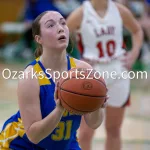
(135, 131)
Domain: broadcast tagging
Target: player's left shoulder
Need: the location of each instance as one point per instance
(124, 11)
(82, 64)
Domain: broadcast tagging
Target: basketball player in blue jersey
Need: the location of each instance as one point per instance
(41, 122)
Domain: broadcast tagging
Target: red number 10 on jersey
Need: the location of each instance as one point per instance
(110, 48)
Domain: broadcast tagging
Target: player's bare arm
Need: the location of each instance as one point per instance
(94, 119)
(29, 103)
(74, 19)
(131, 24)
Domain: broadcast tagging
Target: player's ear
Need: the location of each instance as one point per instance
(38, 39)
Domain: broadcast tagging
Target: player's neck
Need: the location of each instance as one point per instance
(99, 4)
(54, 60)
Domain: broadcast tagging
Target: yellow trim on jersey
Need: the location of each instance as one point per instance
(72, 63)
(37, 59)
(12, 131)
(42, 78)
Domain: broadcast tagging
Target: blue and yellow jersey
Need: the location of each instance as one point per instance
(63, 137)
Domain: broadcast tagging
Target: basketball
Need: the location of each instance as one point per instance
(81, 92)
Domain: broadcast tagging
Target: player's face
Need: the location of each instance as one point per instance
(54, 31)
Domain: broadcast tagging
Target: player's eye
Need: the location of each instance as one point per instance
(63, 23)
(50, 25)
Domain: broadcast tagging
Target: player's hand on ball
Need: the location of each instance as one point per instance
(105, 103)
(81, 95)
(58, 103)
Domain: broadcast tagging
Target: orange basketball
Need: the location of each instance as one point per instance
(81, 92)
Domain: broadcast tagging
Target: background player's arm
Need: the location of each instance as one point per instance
(94, 119)
(28, 96)
(74, 19)
(131, 24)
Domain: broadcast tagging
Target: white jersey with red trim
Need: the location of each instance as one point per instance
(102, 38)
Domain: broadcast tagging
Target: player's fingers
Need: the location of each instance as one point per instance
(104, 105)
(107, 97)
(56, 92)
(57, 102)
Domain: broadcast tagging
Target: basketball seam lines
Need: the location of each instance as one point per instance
(74, 108)
(81, 79)
(82, 94)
